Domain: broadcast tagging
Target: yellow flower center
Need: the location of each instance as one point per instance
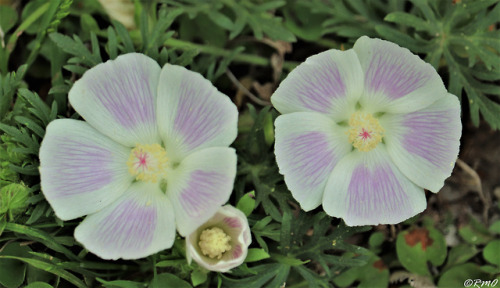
(148, 162)
(214, 242)
(365, 132)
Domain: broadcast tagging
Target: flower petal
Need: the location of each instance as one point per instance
(192, 113)
(366, 188)
(330, 82)
(82, 171)
(118, 98)
(396, 80)
(200, 184)
(308, 146)
(233, 222)
(137, 225)
(424, 144)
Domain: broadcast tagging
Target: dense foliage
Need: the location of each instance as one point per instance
(240, 46)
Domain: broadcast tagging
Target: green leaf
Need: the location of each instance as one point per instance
(124, 36)
(376, 239)
(12, 271)
(3, 224)
(265, 273)
(475, 232)
(13, 199)
(41, 236)
(8, 18)
(491, 252)
(186, 58)
(30, 124)
(49, 267)
(495, 227)
(490, 269)
(28, 10)
(38, 285)
(220, 19)
(41, 109)
(171, 263)
(120, 283)
(256, 254)
(280, 278)
(112, 45)
(198, 277)
(302, 22)
(247, 203)
(165, 279)
(436, 252)
(411, 20)
(401, 38)
(36, 275)
(88, 23)
(419, 245)
(165, 19)
(373, 274)
(456, 276)
(460, 254)
(76, 48)
(275, 30)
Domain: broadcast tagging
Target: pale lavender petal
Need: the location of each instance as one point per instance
(138, 224)
(82, 171)
(118, 98)
(232, 222)
(396, 80)
(200, 184)
(366, 188)
(329, 83)
(424, 144)
(192, 114)
(308, 146)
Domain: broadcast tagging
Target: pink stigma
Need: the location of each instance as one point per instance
(142, 157)
(364, 134)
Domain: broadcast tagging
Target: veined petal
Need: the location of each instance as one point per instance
(424, 144)
(396, 80)
(192, 113)
(118, 98)
(82, 171)
(330, 83)
(308, 146)
(366, 188)
(200, 184)
(137, 225)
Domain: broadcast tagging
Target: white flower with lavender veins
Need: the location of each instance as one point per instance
(222, 242)
(151, 157)
(365, 131)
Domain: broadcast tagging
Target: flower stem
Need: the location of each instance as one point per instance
(244, 58)
(11, 44)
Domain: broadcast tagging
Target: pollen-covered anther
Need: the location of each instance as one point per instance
(365, 131)
(214, 242)
(148, 162)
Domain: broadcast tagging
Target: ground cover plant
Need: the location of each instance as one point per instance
(211, 109)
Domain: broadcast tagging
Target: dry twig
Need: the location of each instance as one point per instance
(250, 95)
(479, 187)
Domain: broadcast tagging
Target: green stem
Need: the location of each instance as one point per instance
(41, 236)
(11, 44)
(96, 266)
(245, 58)
(328, 43)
